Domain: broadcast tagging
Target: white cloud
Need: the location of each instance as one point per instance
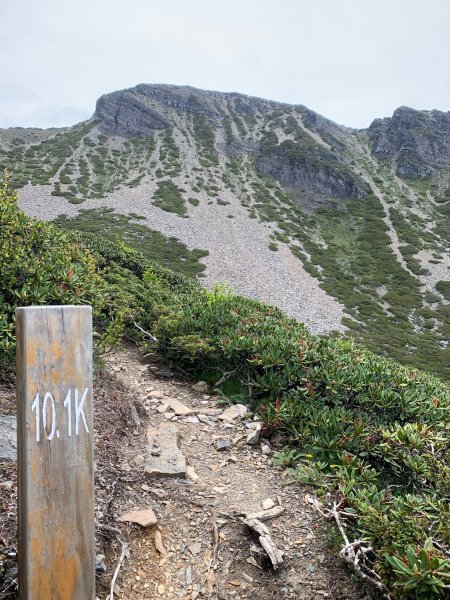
(350, 60)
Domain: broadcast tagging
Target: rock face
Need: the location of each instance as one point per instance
(312, 169)
(8, 438)
(302, 166)
(419, 141)
(126, 114)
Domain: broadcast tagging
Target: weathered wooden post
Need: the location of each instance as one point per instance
(55, 453)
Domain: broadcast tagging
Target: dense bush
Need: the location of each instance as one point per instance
(38, 266)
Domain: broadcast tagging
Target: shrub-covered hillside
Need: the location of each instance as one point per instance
(372, 434)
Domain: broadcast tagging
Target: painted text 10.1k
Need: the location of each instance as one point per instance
(49, 420)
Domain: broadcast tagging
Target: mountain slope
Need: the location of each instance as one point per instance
(293, 209)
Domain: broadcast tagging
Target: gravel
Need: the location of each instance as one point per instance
(238, 247)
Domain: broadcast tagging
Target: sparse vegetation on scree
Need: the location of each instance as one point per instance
(168, 251)
(370, 433)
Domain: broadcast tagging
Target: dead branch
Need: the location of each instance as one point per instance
(159, 545)
(227, 375)
(216, 544)
(152, 337)
(275, 555)
(116, 572)
(354, 554)
(108, 528)
(266, 515)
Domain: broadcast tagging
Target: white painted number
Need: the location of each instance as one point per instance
(50, 406)
(68, 404)
(36, 407)
(48, 397)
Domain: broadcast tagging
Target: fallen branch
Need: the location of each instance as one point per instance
(216, 544)
(354, 554)
(275, 555)
(159, 545)
(266, 515)
(152, 337)
(227, 375)
(108, 528)
(116, 572)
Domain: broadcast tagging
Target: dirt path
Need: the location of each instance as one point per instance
(228, 482)
(130, 398)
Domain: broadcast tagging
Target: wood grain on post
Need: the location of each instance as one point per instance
(55, 453)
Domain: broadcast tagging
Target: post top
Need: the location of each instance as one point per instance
(54, 307)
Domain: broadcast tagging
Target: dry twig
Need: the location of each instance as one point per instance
(354, 554)
(152, 337)
(275, 555)
(216, 544)
(116, 572)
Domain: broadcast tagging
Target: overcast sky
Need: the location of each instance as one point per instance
(350, 60)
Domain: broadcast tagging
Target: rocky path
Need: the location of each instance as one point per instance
(199, 546)
(175, 476)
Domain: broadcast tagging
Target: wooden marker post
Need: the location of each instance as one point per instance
(55, 453)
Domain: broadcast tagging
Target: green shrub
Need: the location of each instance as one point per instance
(39, 265)
(168, 197)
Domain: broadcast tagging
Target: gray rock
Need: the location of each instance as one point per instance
(178, 407)
(201, 387)
(222, 445)
(418, 139)
(266, 449)
(171, 461)
(124, 113)
(8, 438)
(253, 435)
(237, 411)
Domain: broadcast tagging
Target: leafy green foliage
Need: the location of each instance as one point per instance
(168, 251)
(420, 573)
(38, 265)
(374, 431)
(168, 197)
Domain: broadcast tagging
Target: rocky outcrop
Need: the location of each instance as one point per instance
(419, 141)
(126, 114)
(308, 170)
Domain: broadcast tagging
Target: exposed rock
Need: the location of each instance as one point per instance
(8, 438)
(237, 411)
(134, 415)
(201, 386)
(178, 407)
(126, 113)
(222, 445)
(308, 169)
(193, 420)
(144, 518)
(254, 434)
(195, 548)
(267, 503)
(418, 140)
(190, 473)
(171, 461)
